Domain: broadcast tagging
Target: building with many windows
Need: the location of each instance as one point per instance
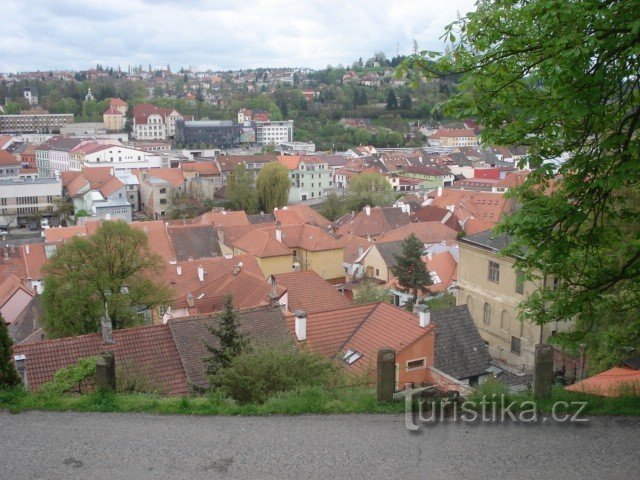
(275, 132)
(22, 199)
(218, 133)
(154, 123)
(34, 121)
(492, 288)
(311, 177)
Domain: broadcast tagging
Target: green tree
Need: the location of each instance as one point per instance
(63, 209)
(231, 342)
(273, 185)
(369, 292)
(392, 100)
(8, 375)
(532, 78)
(371, 189)
(410, 270)
(333, 207)
(128, 120)
(405, 102)
(241, 190)
(114, 266)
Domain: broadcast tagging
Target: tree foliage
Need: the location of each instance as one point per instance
(8, 375)
(533, 78)
(231, 343)
(113, 266)
(333, 207)
(273, 185)
(241, 190)
(369, 292)
(392, 100)
(410, 270)
(369, 189)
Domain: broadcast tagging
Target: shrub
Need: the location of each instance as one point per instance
(254, 376)
(74, 377)
(131, 379)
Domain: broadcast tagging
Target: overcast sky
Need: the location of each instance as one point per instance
(70, 34)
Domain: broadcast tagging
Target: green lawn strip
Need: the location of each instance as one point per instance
(304, 401)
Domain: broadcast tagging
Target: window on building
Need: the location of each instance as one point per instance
(416, 364)
(486, 317)
(520, 278)
(494, 271)
(163, 201)
(504, 321)
(163, 190)
(377, 272)
(515, 345)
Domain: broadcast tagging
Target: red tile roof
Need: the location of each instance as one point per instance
(363, 328)
(611, 383)
(172, 175)
(225, 218)
(352, 245)
(117, 102)
(7, 159)
(149, 351)
(34, 260)
(9, 286)
(310, 216)
(113, 111)
(261, 244)
(310, 292)
(202, 168)
(288, 217)
(379, 221)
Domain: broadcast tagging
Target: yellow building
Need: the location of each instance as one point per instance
(492, 289)
(287, 248)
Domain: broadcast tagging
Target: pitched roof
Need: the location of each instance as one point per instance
(113, 111)
(288, 217)
(427, 232)
(362, 328)
(460, 350)
(309, 215)
(7, 159)
(194, 241)
(379, 221)
(290, 161)
(310, 292)
(111, 186)
(445, 268)
(488, 240)
(9, 286)
(117, 102)
(610, 383)
(261, 244)
(352, 245)
(172, 175)
(34, 260)
(202, 168)
(225, 218)
(433, 213)
(27, 322)
(148, 351)
(55, 235)
(513, 179)
(265, 325)
(388, 251)
(261, 218)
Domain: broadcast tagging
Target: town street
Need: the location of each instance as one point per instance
(366, 447)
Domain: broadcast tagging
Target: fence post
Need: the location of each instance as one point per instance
(106, 372)
(543, 371)
(386, 374)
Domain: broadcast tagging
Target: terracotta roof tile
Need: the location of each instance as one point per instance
(202, 168)
(379, 221)
(9, 285)
(7, 159)
(261, 244)
(34, 260)
(225, 218)
(147, 350)
(352, 245)
(172, 175)
(288, 217)
(194, 241)
(309, 215)
(310, 292)
(610, 383)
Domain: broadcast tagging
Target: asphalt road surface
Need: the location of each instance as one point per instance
(366, 447)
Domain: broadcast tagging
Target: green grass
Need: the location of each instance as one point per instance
(310, 400)
(447, 300)
(595, 405)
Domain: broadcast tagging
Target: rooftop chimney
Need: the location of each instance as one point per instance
(220, 234)
(201, 273)
(272, 281)
(439, 191)
(360, 251)
(179, 270)
(424, 315)
(26, 249)
(367, 210)
(278, 232)
(237, 268)
(301, 325)
(190, 300)
(430, 255)
(106, 326)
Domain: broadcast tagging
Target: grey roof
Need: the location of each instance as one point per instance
(261, 218)
(388, 250)
(194, 241)
(460, 350)
(489, 240)
(264, 324)
(395, 216)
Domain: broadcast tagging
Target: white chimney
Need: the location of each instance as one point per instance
(278, 232)
(301, 325)
(106, 327)
(367, 210)
(360, 251)
(26, 249)
(285, 207)
(201, 273)
(179, 270)
(424, 315)
(190, 300)
(439, 191)
(430, 255)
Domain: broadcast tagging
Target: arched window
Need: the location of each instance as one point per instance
(487, 313)
(504, 321)
(470, 303)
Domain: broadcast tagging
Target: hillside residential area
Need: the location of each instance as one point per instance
(195, 229)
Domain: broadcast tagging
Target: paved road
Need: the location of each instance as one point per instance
(366, 447)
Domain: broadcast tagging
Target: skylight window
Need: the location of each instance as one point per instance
(351, 356)
(201, 296)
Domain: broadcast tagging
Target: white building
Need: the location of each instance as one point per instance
(275, 132)
(21, 198)
(117, 156)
